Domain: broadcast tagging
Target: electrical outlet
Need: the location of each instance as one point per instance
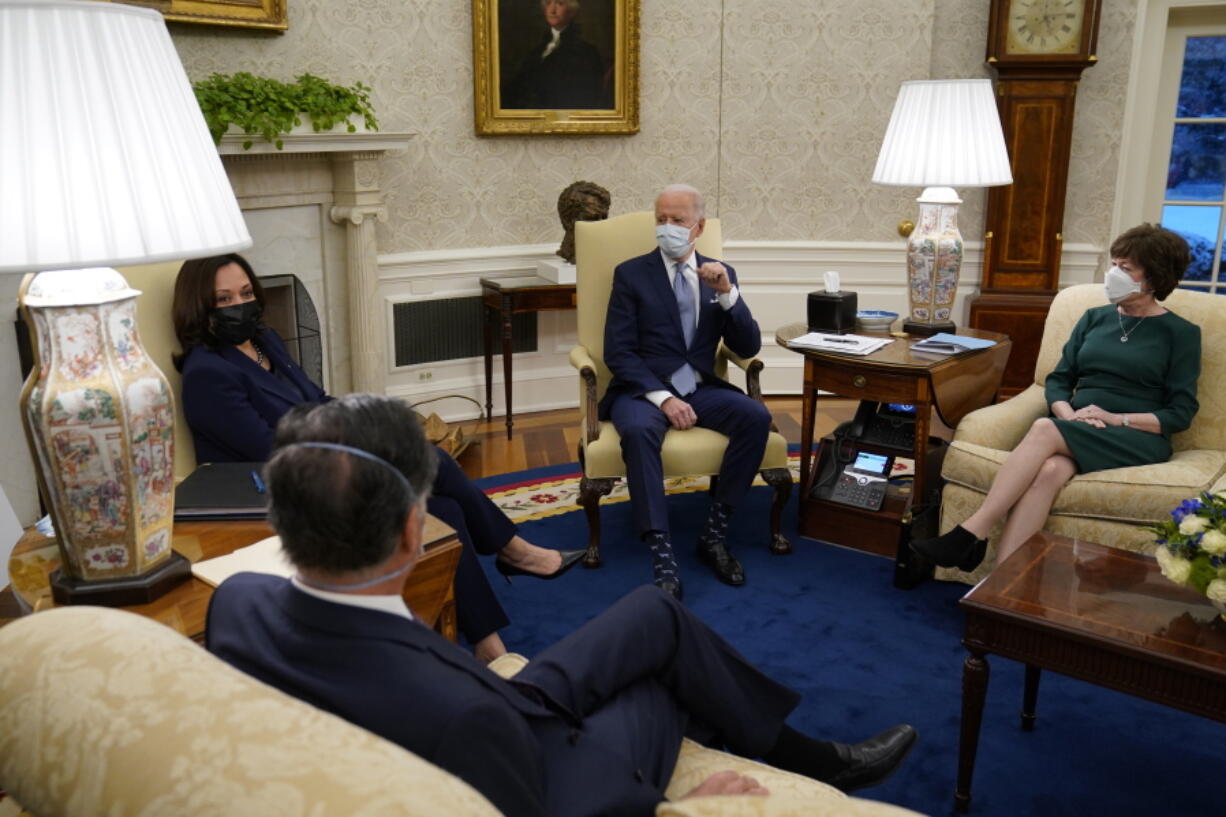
(425, 375)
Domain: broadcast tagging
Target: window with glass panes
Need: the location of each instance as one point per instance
(1194, 201)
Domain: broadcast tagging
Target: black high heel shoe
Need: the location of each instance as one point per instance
(570, 558)
(959, 548)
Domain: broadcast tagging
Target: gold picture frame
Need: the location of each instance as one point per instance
(266, 14)
(587, 81)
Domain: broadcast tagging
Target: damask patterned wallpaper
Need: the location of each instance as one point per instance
(776, 110)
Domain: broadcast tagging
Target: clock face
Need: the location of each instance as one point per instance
(1045, 26)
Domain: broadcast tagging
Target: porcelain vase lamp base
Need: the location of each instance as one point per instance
(934, 262)
(140, 589)
(99, 419)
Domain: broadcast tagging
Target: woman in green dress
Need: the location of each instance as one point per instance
(1126, 382)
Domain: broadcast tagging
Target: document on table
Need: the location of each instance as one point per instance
(265, 556)
(943, 343)
(848, 344)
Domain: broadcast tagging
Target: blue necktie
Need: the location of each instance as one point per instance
(683, 379)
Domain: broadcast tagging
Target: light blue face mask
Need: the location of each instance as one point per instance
(674, 240)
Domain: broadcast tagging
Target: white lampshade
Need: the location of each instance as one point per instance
(944, 133)
(104, 155)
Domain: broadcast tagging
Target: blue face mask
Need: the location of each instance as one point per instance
(674, 240)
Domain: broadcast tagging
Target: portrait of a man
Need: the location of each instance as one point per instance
(556, 54)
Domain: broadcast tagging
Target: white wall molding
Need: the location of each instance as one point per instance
(776, 277)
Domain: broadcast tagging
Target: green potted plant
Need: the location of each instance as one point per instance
(271, 108)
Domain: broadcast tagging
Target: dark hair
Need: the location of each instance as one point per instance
(1161, 253)
(194, 301)
(337, 512)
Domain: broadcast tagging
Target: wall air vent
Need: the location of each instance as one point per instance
(429, 331)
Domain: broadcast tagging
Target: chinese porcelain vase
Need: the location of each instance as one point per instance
(99, 418)
(934, 257)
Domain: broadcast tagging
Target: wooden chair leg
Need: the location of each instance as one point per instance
(781, 480)
(590, 492)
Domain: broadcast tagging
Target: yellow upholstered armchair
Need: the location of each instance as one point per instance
(599, 247)
(106, 712)
(1106, 507)
(156, 283)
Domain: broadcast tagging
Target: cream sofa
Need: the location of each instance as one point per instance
(106, 712)
(1107, 507)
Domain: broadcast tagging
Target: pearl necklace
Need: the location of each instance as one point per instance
(259, 353)
(1127, 332)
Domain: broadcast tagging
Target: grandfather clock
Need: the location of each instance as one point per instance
(1039, 49)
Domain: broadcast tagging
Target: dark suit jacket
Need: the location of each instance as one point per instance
(643, 344)
(572, 76)
(233, 405)
(411, 686)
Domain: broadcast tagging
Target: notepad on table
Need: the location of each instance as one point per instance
(848, 344)
(265, 556)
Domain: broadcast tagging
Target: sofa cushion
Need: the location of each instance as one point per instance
(1141, 494)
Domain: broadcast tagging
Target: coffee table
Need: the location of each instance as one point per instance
(1094, 613)
(430, 591)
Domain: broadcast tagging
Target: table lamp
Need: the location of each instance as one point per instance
(104, 160)
(942, 134)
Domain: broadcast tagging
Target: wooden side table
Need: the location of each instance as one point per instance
(430, 592)
(504, 297)
(953, 385)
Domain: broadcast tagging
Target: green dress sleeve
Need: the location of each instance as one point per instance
(1063, 379)
(1180, 403)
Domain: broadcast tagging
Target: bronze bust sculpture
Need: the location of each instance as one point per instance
(581, 201)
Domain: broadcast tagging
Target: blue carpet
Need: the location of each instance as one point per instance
(827, 622)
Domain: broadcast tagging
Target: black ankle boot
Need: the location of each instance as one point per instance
(959, 548)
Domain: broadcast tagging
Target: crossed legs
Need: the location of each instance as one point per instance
(1025, 488)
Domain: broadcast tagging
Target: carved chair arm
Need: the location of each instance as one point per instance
(752, 366)
(582, 360)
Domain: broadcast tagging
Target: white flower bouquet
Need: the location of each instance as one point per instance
(1192, 547)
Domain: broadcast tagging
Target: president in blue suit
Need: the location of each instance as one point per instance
(668, 312)
(592, 726)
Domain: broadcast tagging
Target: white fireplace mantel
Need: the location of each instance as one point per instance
(336, 173)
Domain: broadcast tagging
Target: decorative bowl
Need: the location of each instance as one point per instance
(875, 319)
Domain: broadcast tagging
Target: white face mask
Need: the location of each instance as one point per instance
(674, 240)
(1119, 285)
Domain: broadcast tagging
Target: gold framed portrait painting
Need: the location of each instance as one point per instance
(556, 66)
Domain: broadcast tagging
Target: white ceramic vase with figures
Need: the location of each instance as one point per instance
(99, 418)
(934, 262)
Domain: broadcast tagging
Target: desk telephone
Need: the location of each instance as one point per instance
(859, 478)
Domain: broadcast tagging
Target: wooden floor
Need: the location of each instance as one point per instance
(552, 437)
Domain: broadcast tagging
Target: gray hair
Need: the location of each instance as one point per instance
(700, 206)
(570, 4)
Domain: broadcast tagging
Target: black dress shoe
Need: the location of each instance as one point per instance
(725, 566)
(959, 548)
(670, 586)
(570, 558)
(872, 761)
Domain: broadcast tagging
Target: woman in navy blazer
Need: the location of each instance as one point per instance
(239, 380)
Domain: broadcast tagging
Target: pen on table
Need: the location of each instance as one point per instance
(259, 483)
(840, 340)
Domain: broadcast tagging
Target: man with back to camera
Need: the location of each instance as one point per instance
(661, 334)
(592, 726)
